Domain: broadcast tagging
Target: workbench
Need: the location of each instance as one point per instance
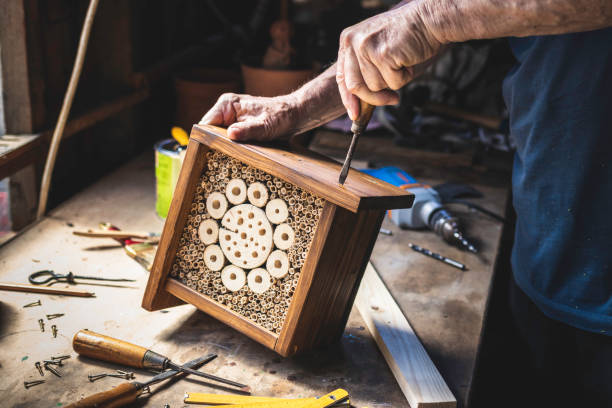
(444, 305)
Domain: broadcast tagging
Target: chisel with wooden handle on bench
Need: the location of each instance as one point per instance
(126, 393)
(101, 347)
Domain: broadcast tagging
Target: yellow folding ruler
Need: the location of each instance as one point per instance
(335, 398)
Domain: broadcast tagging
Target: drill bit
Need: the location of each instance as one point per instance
(445, 225)
(358, 126)
(436, 256)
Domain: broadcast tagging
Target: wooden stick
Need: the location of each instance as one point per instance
(113, 234)
(66, 105)
(18, 287)
(414, 371)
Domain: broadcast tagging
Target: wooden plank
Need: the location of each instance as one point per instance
(221, 313)
(15, 77)
(16, 152)
(414, 371)
(285, 345)
(155, 296)
(336, 260)
(31, 148)
(312, 172)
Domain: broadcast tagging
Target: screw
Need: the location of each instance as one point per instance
(93, 378)
(39, 368)
(28, 384)
(60, 357)
(53, 370)
(41, 323)
(54, 362)
(54, 316)
(122, 374)
(54, 331)
(37, 303)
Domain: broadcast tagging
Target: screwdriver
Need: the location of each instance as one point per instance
(358, 127)
(126, 393)
(101, 347)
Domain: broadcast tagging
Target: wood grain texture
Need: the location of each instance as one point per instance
(219, 312)
(342, 243)
(120, 396)
(155, 296)
(314, 173)
(336, 260)
(414, 371)
(105, 348)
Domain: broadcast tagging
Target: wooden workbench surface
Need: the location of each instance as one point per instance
(444, 305)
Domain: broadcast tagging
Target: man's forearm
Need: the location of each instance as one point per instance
(462, 20)
(318, 101)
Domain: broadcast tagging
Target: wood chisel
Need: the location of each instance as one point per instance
(101, 347)
(126, 393)
(358, 127)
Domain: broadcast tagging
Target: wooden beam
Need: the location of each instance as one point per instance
(23, 150)
(14, 60)
(16, 152)
(414, 371)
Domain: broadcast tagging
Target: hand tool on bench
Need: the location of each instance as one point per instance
(436, 256)
(47, 276)
(101, 347)
(141, 252)
(127, 392)
(358, 127)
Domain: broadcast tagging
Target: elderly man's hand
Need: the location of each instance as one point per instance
(382, 54)
(253, 117)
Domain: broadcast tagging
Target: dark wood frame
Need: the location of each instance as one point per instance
(342, 243)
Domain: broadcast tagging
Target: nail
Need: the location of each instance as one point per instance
(95, 377)
(37, 303)
(53, 370)
(54, 316)
(39, 368)
(28, 384)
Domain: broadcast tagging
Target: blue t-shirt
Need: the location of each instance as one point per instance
(559, 97)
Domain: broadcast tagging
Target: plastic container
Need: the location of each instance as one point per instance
(168, 161)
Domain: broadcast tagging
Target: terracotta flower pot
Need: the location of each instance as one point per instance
(274, 82)
(198, 89)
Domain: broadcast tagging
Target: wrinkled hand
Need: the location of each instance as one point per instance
(382, 54)
(252, 117)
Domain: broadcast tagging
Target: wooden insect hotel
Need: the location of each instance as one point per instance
(266, 240)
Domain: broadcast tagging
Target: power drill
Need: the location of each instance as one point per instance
(427, 210)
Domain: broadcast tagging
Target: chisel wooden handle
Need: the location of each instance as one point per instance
(119, 396)
(101, 347)
(365, 114)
